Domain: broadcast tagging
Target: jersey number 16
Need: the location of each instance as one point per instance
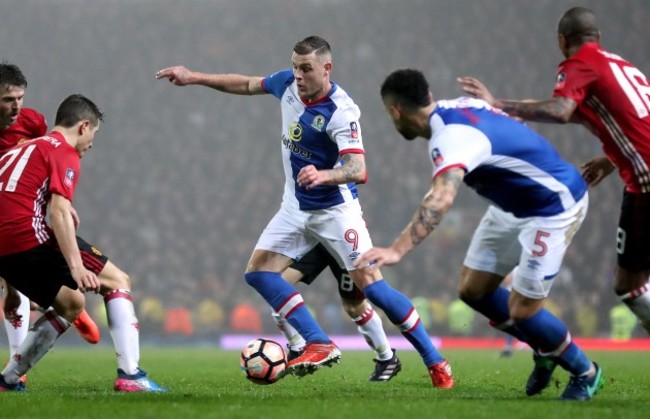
(635, 86)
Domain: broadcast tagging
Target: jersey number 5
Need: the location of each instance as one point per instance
(8, 159)
(542, 247)
(635, 86)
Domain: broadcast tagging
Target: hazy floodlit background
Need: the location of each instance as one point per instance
(181, 181)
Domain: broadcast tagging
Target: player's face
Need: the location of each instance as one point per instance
(312, 75)
(402, 125)
(563, 45)
(11, 101)
(85, 142)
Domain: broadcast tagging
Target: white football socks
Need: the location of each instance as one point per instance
(296, 341)
(40, 338)
(371, 328)
(638, 301)
(17, 330)
(124, 329)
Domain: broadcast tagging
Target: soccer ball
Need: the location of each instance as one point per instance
(263, 361)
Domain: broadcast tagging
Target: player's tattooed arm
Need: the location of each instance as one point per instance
(434, 205)
(353, 170)
(557, 109)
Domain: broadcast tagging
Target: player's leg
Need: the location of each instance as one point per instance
(42, 275)
(633, 289)
(368, 322)
(283, 240)
(633, 268)
(344, 233)
(125, 331)
(401, 312)
(481, 291)
(491, 256)
(370, 326)
(508, 347)
(263, 274)
(122, 322)
(296, 341)
(44, 333)
(305, 270)
(87, 328)
(17, 320)
(544, 243)
(493, 252)
(16, 317)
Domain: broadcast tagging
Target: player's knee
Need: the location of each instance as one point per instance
(620, 289)
(69, 304)
(468, 293)
(123, 281)
(117, 281)
(354, 308)
(627, 281)
(518, 315)
(525, 308)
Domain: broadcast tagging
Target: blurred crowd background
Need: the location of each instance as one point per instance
(181, 181)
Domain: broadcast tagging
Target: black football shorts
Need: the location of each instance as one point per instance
(314, 262)
(40, 272)
(633, 235)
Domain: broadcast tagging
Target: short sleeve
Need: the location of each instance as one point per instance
(345, 130)
(458, 146)
(64, 171)
(573, 80)
(278, 82)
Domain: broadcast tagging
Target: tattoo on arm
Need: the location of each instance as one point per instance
(352, 170)
(435, 204)
(557, 109)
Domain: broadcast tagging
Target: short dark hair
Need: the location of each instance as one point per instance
(10, 75)
(408, 87)
(311, 44)
(75, 108)
(578, 25)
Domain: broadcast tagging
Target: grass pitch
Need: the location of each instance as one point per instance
(207, 383)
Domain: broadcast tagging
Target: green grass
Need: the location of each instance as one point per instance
(77, 383)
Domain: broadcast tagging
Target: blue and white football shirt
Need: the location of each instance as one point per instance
(317, 133)
(505, 161)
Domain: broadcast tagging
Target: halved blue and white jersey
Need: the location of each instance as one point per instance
(315, 133)
(504, 160)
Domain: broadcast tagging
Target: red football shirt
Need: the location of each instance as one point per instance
(29, 174)
(30, 124)
(613, 100)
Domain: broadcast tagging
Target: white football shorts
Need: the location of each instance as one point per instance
(536, 245)
(341, 229)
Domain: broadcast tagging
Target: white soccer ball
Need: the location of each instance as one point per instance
(263, 361)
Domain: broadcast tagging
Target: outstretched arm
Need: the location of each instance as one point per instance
(556, 109)
(237, 84)
(353, 170)
(432, 209)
